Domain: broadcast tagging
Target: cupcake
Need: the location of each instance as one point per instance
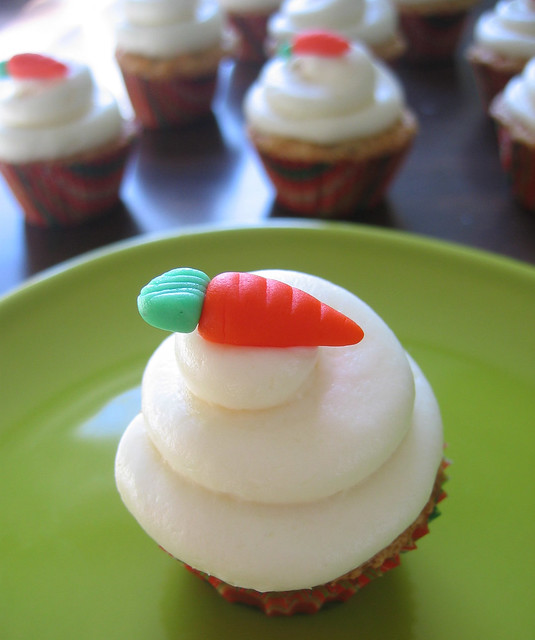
(63, 142)
(278, 424)
(433, 28)
(513, 111)
(247, 20)
(168, 52)
(373, 22)
(330, 125)
(503, 42)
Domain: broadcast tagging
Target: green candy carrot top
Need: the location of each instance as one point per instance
(243, 309)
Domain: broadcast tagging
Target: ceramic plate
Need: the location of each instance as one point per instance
(74, 563)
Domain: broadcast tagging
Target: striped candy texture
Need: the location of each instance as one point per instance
(62, 193)
(172, 102)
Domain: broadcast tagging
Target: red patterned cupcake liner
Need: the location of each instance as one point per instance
(250, 30)
(162, 103)
(518, 161)
(331, 190)
(64, 193)
(309, 601)
(432, 38)
(490, 80)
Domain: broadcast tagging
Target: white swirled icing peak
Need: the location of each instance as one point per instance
(370, 21)
(519, 96)
(508, 29)
(324, 99)
(166, 28)
(53, 118)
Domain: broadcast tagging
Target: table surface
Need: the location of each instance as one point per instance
(451, 186)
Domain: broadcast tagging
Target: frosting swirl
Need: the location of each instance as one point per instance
(211, 483)
(370, 21)
(324, 99)
(49, 119)
(519, 96)
(509, 29)
(166, 28)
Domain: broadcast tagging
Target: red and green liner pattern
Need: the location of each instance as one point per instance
(331, 189)
(177, 101)
(62, 193)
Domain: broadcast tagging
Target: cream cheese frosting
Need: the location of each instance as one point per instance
(373, 22)
(50, 119)
(167, 28)
(508, 29)
(324, 99)
(519, 96)
(318, 475)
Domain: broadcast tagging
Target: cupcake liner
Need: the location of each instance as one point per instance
(491, 72)
(331, 189)
(309, 601)
(170, 102)
(251, 32)
(518, 161)
(432, 38)
(65, 193)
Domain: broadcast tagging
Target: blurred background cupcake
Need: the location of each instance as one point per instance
(513, 111)
(373, 22)
(63, 142)
(247, 20)
(168, 52)
(433, 28)
(330, 125)
(503, 42)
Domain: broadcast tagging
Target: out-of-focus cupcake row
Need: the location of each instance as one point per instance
(326, 114)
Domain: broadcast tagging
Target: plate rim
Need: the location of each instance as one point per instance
(437, 246)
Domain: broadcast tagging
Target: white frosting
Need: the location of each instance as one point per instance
(296, 494)
(166, 28)
(373, 22)
(324, 99)
(250, 6)
(50, 119)
(509, 29)
(519, 96)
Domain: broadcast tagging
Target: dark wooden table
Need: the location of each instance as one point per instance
(451, 186)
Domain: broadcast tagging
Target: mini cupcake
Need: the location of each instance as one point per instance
(433, 28)
(330, 125)
(372, 22)
(247, 20)
(168, 52)
(63, 143)
(503, 42)
(288, 449)
(513, 111)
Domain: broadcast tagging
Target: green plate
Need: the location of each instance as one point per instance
(75, 564)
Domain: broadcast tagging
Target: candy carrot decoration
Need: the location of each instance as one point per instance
(34, 66)
(243, 309)
(320, 43)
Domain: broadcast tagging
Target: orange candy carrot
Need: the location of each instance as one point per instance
(243, 309)
(250, 310)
